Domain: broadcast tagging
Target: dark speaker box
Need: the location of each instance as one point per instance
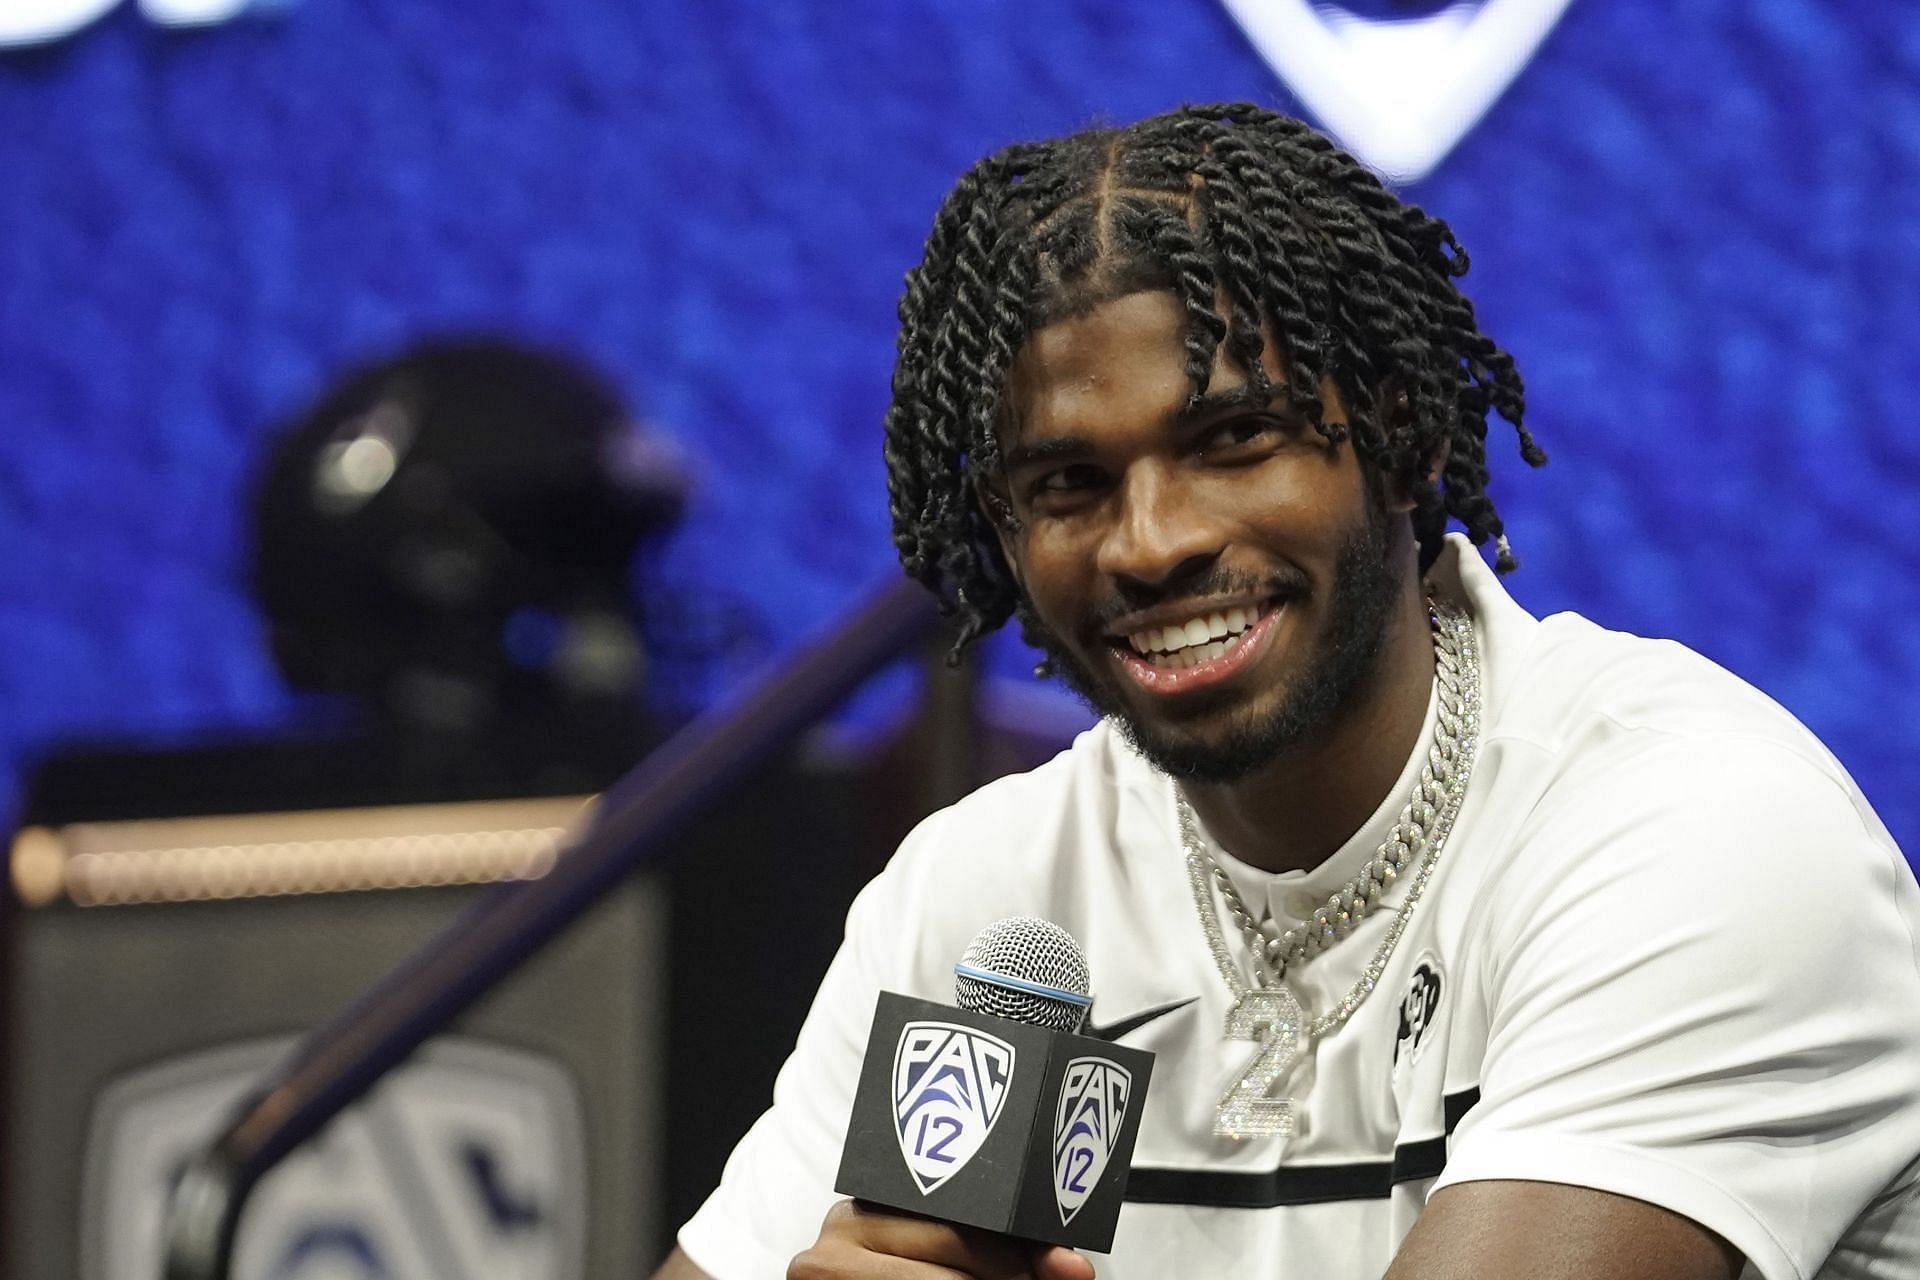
(155, 968)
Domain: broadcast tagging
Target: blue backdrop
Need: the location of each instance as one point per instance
(1695, 225)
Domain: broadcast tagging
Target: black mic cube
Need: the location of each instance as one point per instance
(973, 1119)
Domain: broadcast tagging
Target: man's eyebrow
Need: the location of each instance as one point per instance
(1052, 449)
(1207, 405)
(1210, 403)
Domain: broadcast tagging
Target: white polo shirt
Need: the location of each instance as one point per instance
(1668, 952)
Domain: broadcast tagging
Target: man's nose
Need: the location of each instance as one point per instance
(1160, 533)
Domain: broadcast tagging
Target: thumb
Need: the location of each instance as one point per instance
(1056, 1263)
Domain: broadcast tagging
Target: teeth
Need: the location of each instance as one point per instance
(1200, 640)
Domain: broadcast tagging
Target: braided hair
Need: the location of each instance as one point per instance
(1246, 217)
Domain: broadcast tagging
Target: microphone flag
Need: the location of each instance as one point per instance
(975, 1119)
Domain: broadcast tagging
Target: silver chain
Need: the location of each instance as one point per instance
(1420, 833)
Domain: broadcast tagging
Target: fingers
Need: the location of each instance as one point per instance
(1051, 1262)
(875, 1244)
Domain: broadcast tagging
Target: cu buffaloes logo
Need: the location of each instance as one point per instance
(1093, 1105)
(948, 1085)
(1416, 1011)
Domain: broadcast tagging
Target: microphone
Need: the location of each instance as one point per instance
(996, 1114)
(1027, 970)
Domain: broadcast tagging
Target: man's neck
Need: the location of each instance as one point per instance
(1296, 811)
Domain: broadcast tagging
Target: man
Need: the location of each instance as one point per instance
(1469, 944)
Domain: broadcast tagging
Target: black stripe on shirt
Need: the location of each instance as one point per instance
(1302, 1184)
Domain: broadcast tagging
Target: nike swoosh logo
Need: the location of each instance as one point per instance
(1114, 1030)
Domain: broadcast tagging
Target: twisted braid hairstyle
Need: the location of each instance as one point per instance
(1257, 224)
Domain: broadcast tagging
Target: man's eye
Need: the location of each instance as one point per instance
(1239, 431)
(1066, 480)
(1063, 490)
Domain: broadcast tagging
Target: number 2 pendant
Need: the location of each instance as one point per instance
(1274, 1018)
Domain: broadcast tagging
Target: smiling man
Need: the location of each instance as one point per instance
(1470, 944)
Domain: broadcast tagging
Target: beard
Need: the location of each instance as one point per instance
(1344, 657)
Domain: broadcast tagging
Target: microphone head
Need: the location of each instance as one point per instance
(1027, 970)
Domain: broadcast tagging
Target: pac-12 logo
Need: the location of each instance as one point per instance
(948, 1085)
(1093, 1105)
(1398, 82)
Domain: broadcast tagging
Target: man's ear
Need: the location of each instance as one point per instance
(997, 509)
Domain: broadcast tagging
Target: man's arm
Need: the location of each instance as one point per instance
(1680, 944)
(1499, 1230)
(1511, 1231)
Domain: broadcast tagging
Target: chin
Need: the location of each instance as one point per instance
(1226, 754)
(1217, 744)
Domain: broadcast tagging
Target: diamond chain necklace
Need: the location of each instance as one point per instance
(1267, 1009)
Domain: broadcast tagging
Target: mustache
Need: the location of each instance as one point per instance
(1209, 583)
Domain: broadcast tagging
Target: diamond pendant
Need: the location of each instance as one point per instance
(1272, 1017)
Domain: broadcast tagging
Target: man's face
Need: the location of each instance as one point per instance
(1218, 581)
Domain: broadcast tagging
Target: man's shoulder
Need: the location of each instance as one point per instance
(1570, 687)
(1618, 750)
(1650, 726)
(1053, 841)
(1098, 767)
(1082, 804)
(1585, 692)
(1630, 769)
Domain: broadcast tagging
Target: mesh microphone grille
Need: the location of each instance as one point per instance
(1031, 950)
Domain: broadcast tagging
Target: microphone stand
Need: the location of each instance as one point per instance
(486, 943)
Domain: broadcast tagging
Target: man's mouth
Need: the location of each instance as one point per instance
(1197, 651)
(1202, 638)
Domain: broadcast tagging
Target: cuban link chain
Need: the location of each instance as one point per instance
(1266, 1009)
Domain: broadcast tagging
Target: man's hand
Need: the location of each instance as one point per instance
(859, 1241)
